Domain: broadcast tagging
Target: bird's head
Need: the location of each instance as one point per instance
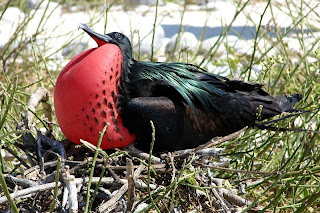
(116, 38)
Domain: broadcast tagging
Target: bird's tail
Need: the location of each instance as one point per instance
(286, 103)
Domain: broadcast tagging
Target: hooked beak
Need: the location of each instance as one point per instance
(99, 38)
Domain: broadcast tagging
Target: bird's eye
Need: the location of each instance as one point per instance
(118, 36)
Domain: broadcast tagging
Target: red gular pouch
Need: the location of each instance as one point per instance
(85, 96)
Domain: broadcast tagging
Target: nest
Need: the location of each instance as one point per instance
(62, 177)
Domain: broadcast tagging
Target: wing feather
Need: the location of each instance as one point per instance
(191, 82)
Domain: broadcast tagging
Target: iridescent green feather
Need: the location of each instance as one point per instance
(190, 81)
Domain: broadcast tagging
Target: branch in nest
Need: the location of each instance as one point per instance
(227, 194)
(214, 152)
(109, 205)
(20, 181)
(140, 154)
(40, 95)
(219, 140)
(234, 198)
(131, 185)
(205, 149)
(70, 182)
(48, 186)
(28, 191)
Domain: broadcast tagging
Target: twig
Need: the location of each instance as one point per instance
(219, 140)
(21, 159)
(110, 180)
(70, 182)
(64, 197)
(155, 167)
(221, 201)
(114, 175)
(51, 185)
(30, 190)
(215, 152)
(20, 181)
(233, 198)
(173, 167)
(40, 95)
(131, 185)
(204, 148)
(226, 193)
(110, 203)
(236, 170)
(37, 168)
(140, 154)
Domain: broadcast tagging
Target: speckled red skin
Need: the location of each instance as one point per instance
(84, 98)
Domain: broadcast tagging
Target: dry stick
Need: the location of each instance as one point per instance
(11, 157)
(41, 94)
(105, 180)
(155, 167)
(20, 181)
(70, 182)
(213, 142)
(131, 185)
(233, 198)
(228, 194)
(140, 154)
(173, 167)
(218, 140)
(222, 203)
(114, 175)
(236, 170)
(242, 186)
(49, 186)
(110, 180)
(29, 191)
(64, 197)
(107, 206)
(217, 202)
(37, 167)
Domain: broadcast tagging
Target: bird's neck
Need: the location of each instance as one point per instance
(122, 87)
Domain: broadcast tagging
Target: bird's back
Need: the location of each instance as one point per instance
(189, 106)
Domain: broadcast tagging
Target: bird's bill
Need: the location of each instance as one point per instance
(99, 38)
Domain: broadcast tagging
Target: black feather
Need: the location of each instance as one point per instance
(190, 81)
(187, 105)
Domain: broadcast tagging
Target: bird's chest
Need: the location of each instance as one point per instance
(86, 96)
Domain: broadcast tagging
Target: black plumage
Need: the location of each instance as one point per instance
(187, 105)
